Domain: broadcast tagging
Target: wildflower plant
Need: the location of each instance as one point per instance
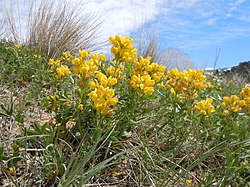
(102, 88)
(175, 125)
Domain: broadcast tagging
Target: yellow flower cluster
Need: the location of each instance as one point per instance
(85, 67)
(189, 182)
(245, 94)
(186, 82)
(144, 82)
(59, 69)
(54, 63)
(123, 49)
(205, 106)
(66, 56)
(232, 104)
(62, 71)
(144, 66)
(146, 75)
(115, 70)
(102, 93)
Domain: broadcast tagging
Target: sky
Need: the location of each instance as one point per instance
(202, 29)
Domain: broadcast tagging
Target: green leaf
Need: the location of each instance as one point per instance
(113, 138)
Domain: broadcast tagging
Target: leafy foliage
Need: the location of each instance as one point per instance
(127, 121)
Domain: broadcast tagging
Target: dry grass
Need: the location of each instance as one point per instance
(174, 58)
(54, 27)
(149, 45)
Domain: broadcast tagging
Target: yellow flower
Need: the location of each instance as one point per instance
(66, 56)
(11, 170)
(173, 73)
(112, 101)
(123, 49)
(76, 61)
(114, 50)
(117, 174)
(102, 95)
(245, 93)
(189, 181)
(17, 46)
(92, 85)
(66, 104)
(233, 104)
(83, 54)
(53, 63)
(80, 107)
(112, 81)
(187, 82)
(62, 71)
(205, 106)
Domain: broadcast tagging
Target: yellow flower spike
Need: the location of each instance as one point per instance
(245, 93)
(93, 95)
(233, 104)
(114, 50)
(109, 92)
(226, 100)
(205, 106)
(66, 56)
(148, 90)
(62, 71)
(173, 73)
(110, 70)
(136, 79)
(160, 85)
(76, 62)
(92, 85)
(112, 40)
(53, 63)
(102, 57)
(113, 101)
(162, 68)
(83, 54)
(112, 81)
(149, 68)
(123, 48)
(242, 103)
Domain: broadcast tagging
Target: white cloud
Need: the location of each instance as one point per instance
(184, 4)
(211, 21)
(124, 16)
(182, 23)
(118, 16)
(234, 5)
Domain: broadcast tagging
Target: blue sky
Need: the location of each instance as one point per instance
(196, 27)
(200, 28)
